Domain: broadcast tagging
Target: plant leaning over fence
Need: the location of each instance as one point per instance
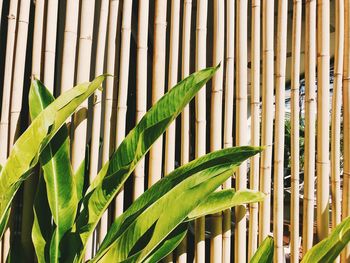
(188, 192)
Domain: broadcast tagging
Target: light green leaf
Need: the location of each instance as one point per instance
(264, 254)
(136, 144)
(55, 162)
(228, 157)
(189, 185)
(224, 199)
(80, 179)
(26, 150)
(329, 248)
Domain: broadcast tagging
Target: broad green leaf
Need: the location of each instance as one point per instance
(168, 245)
(114, 173)
(224, 199)
(329, 248)
(55, 162)
(42, 227)
(226, 157)
(264, 254)
(79, 179)
(25, 153)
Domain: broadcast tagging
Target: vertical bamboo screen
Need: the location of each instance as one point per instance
(284, 83)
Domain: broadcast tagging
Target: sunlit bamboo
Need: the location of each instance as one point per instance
(267, 116)
(323, 170)
(310, 110)
(200, 122)
(255, 124)
(295, 68)
(280, 79)
(141, 86)
(216, 114)
(158, 81)
(241, 125)
(38, 38)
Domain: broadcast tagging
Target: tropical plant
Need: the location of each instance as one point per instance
(155, 223)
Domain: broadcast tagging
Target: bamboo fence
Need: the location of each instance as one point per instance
(277, 57)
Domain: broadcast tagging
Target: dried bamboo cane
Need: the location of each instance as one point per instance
(38, 38)
(228, 121)
(323, 39)
(83, 74)
(296, 42)
(110, 101)
(310, 108)
(50, 44)
(185, 116)
(6, 97)
(172, 80)
(255, 124)
(158, 80)
(99, 69)
(141, 86)
(69, 45)
(345, 256)
(216, 113)
(336, 112)
(123, 87)
(278, 190)
(200, 101)
(16, 99)
(267, 117)
(241, 126)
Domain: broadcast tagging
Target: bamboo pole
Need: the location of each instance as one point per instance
(123, 87)
(255, 124)
(280, 80)
(141, 86)
(216, 113)
(5, 108)
(83, 74)
(16, 99)
(99, 69)
(172, 80)
(296, 42)
(50, 44)
(110, 100)
(241, 126)
(310, 108)
(185, 116)
(69, 45)
(228, 121)
(323, 39)
(38, 38)
(336, 112)
(267, 116)
(345, 256)
(200, 123)
(158, 80)
(6, 96)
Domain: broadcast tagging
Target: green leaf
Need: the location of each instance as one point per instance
(329, 248)
(55, 162)
(80, 179)
(264, 254)
(42, 227)
(166, 204)
(136, 144)
(168, 245)
(224, 199)
(25, 153)
(229, 156)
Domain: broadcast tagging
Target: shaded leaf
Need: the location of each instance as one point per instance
(264, 254)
